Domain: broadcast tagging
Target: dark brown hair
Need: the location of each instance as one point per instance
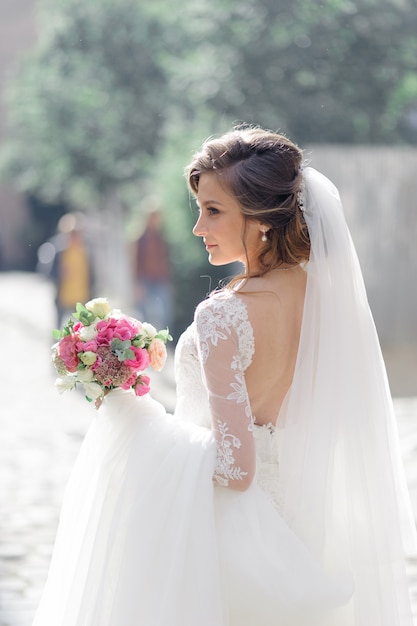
(263, 171)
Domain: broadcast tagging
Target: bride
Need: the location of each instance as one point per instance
(275, 494)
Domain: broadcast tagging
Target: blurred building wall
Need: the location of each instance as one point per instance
(17, 35)
(378, 187)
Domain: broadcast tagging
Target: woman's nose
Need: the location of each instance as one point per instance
(199, 228)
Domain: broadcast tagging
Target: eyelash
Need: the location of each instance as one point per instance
(210, 210)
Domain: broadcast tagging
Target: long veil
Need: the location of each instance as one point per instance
(343, 485)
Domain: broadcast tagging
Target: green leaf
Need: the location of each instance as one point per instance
(122, 349)
(164, 335)
(57, 334)
(82, 314)
(138, 342)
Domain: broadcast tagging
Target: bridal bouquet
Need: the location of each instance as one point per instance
(102, 349)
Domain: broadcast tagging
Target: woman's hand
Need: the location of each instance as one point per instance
(101, 398)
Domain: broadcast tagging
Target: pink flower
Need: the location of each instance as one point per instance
(119, 328)
(142, 386)
(124, 329)
(87, 346)
(141, 360)
(157, 354)
(67, 350)
(130, 382)
(105, 333)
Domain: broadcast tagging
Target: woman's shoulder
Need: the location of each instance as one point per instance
(223, 302)
(234, 306)
(223, 316)
(274, 292)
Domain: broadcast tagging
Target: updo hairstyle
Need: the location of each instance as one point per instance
(262, 169)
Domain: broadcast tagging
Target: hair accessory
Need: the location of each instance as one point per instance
(301, 196)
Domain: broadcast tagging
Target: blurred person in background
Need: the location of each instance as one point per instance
(152, 274)
(66, 261)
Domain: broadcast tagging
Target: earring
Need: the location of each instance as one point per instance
(264, 237)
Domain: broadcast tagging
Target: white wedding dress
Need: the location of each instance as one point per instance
(151, 535)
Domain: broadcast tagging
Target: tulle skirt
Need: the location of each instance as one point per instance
(145, 539)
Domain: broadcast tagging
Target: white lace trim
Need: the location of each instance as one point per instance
(216, 318)
(225, 461)
(240, 395)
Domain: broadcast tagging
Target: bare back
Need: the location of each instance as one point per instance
(275, 308)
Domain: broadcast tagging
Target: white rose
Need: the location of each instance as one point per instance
(85, 375)
(136, 323)
(99, 306)
(93, 390)
(65, 384)
(87, 333)
(148, 330)
(88, 357)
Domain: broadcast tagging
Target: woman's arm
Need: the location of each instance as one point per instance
(223, 373)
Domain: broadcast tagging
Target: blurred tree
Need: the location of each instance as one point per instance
(333, 71)
(90, 105)
(87, 106)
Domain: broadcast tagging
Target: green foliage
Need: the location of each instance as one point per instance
(109, 79)
(164, 335)
(57, 334)
(323, 72)
(122, 350)
(86, 107)
(83, 315)
(67, 330)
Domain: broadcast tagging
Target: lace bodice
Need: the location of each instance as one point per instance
(210, 362)
(267, 463)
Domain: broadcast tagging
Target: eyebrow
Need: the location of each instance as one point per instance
(206, 202)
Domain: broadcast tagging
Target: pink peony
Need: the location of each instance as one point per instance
(142, 386)
(67, 350)
(157, 354)
(87, 346)
(141, 360)
(119, 328)
(124, 329)
(105, 333)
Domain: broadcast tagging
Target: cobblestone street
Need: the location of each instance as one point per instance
(40, 435)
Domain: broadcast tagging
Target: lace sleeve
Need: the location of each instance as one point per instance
(225, 344)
